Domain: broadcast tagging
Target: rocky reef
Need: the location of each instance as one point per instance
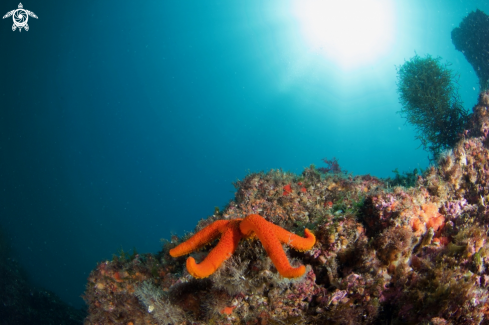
(470, 38)
(383, 255)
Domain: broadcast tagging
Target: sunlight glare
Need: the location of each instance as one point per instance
(350, 32)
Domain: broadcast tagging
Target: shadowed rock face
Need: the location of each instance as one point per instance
(471, 38)
(22, 303)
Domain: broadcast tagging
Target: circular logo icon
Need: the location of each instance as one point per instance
(20, 17)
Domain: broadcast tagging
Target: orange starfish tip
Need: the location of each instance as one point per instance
(195, 271)
(298, 243)
(293, 272)
(307, 243)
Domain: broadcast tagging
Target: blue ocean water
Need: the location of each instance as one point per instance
(123, 122)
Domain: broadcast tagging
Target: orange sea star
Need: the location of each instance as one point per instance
(231, 232)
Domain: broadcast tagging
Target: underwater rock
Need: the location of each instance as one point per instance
(415, 255)
(470, 38)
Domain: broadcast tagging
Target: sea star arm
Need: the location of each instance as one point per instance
(266, 233)
(200, 239)
(224, 249)
(292, 240)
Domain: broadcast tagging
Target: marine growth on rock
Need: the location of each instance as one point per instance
(383, 254)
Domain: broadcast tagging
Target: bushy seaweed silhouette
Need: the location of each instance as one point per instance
(332, 167)
(430, 101)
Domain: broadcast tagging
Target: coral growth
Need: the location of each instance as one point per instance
(131, 290)
(470, 38)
